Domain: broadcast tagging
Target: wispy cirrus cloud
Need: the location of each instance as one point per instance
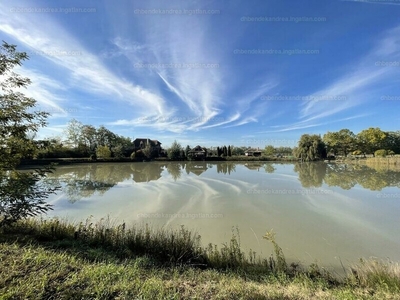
(82, 69)
(355, 88)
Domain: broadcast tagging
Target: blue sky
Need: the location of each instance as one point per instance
(211, 72)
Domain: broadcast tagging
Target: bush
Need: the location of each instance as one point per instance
(381, 153)
(93, 157)
(103, 152)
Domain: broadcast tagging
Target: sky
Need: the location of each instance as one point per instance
(211, 72)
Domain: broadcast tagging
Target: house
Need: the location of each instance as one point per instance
(252, 152)
(140, 144)
(198, 153)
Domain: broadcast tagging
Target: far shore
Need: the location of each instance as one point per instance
(67, 161)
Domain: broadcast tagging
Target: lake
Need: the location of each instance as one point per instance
(325, 213)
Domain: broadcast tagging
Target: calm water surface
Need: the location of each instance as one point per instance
(323, 213)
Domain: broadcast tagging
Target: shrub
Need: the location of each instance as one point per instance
(103, 152)
(381, 153)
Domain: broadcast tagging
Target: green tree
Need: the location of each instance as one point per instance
(371, 139)
(88, 137)
(174, 152)
(269, 150)
(225, 151)
(74, 133)
(238, 150)
(284, 150)
(229, 150)
(117, 151)
(343, 141)
(22, 194)
(393, 141)
(310, 147)
(105, 137)
(187, 150)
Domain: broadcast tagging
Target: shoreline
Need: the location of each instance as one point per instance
(26, 163)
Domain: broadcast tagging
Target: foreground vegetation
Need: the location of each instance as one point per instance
(57, 260)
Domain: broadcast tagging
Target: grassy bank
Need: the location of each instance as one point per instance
(58, 260)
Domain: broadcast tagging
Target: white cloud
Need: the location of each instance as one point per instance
(83, 69)
(353, 89)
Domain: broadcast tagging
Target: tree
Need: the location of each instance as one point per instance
(393, 141)
(105, 137)
(74, 133)
(310, 147)
(269, 150)
(88, 137)
(187, 150)
(229, 151)
(284, 150)
(225, 151)
(219, 151)
(117, 151)
(371, 139)
(343, 141)
(21, 194)
(238, 150)
(174, 152)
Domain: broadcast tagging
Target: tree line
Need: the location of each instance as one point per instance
(372, 141)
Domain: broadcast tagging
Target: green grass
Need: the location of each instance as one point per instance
(54, 259)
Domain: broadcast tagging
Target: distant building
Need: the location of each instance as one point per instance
(198, 153)
(252, 152)
(140, 144)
